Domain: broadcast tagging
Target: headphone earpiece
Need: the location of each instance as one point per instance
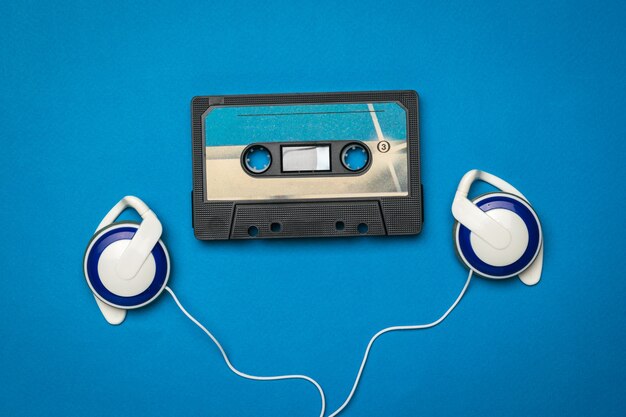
(126, 265)
(497, 235)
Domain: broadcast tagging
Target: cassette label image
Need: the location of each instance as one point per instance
(306, 165)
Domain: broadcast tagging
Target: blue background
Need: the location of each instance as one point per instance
(95, 102)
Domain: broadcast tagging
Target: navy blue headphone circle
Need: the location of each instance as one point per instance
(532, 225)
(93, 256)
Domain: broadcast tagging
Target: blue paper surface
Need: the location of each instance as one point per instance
(95, 104)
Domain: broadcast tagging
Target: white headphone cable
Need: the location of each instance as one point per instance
(311, 380)
(393, 329)
(242, 374)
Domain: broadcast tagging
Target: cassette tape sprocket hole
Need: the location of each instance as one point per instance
(257, 159)
(276, 227)
(253, 231)
(340, 226)
(355, 157)
(362, 228)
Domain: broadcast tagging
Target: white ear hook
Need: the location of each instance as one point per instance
(475, 174)
(532, 274)
(128, 201)
(474, 218)
(141, 244)
(138, 250)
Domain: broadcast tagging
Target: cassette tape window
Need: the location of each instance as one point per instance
(318, 151)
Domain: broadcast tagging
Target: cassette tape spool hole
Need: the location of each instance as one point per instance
(257, 159)
(362, 228)
(355, 157)
(340, 226)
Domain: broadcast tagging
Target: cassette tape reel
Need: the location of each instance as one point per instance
(306, 165)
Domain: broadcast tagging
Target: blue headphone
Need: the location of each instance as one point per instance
(126, 264)
(497, 235)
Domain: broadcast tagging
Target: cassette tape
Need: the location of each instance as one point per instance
(306, 165)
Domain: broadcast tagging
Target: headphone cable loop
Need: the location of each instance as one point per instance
(309, 379)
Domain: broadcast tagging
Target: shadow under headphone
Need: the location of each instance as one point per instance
(497, 235)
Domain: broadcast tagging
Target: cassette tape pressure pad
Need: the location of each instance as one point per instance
(303, 165)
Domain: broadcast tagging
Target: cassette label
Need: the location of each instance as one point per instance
(315, 141)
